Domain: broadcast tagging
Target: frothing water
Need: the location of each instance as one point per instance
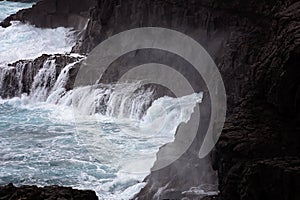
(43, 144)
(99, 137)
(7, 8)
(24, 41)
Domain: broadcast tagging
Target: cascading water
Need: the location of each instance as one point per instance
(12, 78)
(24, 41)
(100, 137)
(117, 127)
(43, 81)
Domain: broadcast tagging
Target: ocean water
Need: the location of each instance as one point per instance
(24, 41)
(43, 144)
(7, 8)
(95, 137)
(99, 137)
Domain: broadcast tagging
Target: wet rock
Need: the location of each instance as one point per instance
(44, 193)
(55, 13)
(5, 23)
(17, 78)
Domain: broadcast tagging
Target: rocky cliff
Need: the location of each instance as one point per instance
(256, 45)
(44, 193)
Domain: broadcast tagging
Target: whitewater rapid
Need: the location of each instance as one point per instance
(45, 144)
(99, 137)
(102, 137)
(24, 41)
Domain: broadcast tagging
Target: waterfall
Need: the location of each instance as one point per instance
(16, 79)
(6, 82)
(48, 79)
(110, 150)
(43, 81)
(117, 101)
(49, 82)
(129, 126)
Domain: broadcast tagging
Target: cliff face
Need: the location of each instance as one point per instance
(256, 46)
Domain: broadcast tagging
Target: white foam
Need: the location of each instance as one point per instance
(130, 166)
(8, 7)
(123, 124)
(24, 41)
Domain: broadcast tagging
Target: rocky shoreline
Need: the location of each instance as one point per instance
(256, 46)
(24, 71)
(12, 192)
(54, 13)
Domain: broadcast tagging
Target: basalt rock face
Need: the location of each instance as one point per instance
(18, 78)
(44, 193)
(55, 13)
(256, 45)
(262, 132)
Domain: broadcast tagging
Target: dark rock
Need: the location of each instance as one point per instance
(55, 13)
(17, 78)
(256, 47)
(44, 193)
(262, 179)
(5, 23)
(171, 194)
(72, 76)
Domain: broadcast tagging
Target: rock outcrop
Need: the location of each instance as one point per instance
(55, 13)
(17, 78)
(44, 193)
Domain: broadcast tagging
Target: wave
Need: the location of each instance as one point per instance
(120, 127)
(24, 41)
(7, 8)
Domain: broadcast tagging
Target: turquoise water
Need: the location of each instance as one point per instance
(45, 140)
(39, 146)
(43, 144)
(23, 41)
(36, 149)
(7, 8)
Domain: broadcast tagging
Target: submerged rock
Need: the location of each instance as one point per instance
(44, 193)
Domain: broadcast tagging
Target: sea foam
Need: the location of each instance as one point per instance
(24, 41)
